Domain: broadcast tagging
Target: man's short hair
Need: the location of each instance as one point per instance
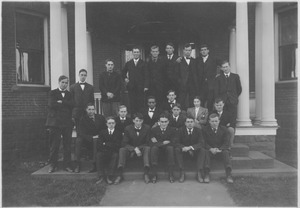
(62, 77)
(187, 45)
(122, 106)
(170, 44)
(82, 70)
(138, 115)
(189, 117)
(89, 104)
(197, 97)
(109, 59)
(154, 47)
(171, 91)
(136, 47)
(225, 61)
(213, 115)
(151, 97)
(164, 115)
(204, 46)
(110, 117)
(176, 105)
(217, 100)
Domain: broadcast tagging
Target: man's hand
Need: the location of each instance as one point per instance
(146, 89)
(153, 139)
(95, 137)
(213, 150)
(59, 101)
(178, 60)
(138, 151)
(166, 142)
(185, 149)
(228, 125)
(110, 95)
(126, 80)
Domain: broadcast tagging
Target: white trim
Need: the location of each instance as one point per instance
(256, 130)
(276, 47)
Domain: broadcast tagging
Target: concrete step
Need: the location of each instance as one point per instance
(239, 150)
(260, 160)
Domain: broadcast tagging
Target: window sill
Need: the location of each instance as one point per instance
(30, 88)
(287, 81)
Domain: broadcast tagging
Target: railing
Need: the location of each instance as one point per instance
(98, 105)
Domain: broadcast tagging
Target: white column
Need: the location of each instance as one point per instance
(59, 54)
(267, 64)
(232, 48)
(242, 63)
(81, 59)
(89, 58)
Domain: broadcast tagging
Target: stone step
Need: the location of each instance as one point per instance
(260, 160)
(239, 150)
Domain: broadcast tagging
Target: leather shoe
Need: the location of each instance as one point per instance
(68, 169)
(100, 179)
(171, 179)
(199, 178)
(182, 178)
(229, 179)
(154, 179)
(77, 169)
(108, 181)
(206, 179)
(118, 180)
(146, 178)
(51, 169)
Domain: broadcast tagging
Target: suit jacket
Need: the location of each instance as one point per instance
(170, 69)
(109, 143)
(110, 82)
(138, 75)
(209, 71)
(121, 126)
(81, 98)
(89, 128)
(59, 114)
(195, 140)
(179, 123)
(150, 121)
(219, 140)
(201, 116)
(169, 135)
(226, 118)
(229, 90)
(132, 140)
(189, 71)
(156, 72)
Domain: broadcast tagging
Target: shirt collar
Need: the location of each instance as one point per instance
(62, 90)
(227, 74)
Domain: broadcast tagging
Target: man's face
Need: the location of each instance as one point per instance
(90, 110)
(138, 122)
(225, 68)
(197, 102)
(82, 76)
(123, 112)
(204, 51)
(176, 111)
(189, 123)
(163, 123)
(214, 122)
(219, 106)
(63, 84)
(109, 66)
(187, 51)
(171, 96)
(136, 53)
(110, 123)
(154, 52)
(169, 50)
(151, 103)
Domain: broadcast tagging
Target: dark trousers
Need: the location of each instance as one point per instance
(136, 100)
(124, 153)
(224, 155)
(106, 161)
(88, 142)
(198, 154)
(186, 97)
(208, 99)
(167, 150)
(55, 135)
(231, 108)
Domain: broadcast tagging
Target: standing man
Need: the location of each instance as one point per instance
(82, 93)
(136, 77)
(156, 69)
(228, 87)
(110, 88)
(170, 69)
(59, 123)
(208, 68)
(189, 78)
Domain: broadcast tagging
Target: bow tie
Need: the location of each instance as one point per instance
(151, 111)
(122, 119)
(82, 83)
(137, 130)
(63, 91)
(188, 57)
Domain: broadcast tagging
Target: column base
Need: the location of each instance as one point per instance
(269, 123)
(246, 122)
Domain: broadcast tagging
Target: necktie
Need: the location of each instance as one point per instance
(190, 131)
(169, 57)
(226, 76)
(163, 131)
(63, 93)
(110, 132)
(135, 62)
(150, 113)
(137, 131)
(215, 130)
(172, 104)
(122, 120)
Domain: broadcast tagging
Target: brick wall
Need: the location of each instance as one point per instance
(23, 109)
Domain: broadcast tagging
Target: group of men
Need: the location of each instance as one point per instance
(160, 123)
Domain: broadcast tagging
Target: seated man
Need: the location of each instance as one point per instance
(191, 144)
(151, 113)
(198, 113)
(162, 140)
(216, 139)
(177, 119)
(90, 126)
(226, 119)
(122, 120)
(167, 106)
(134, 142)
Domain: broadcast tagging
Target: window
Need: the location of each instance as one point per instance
(31, 49)
(288, 45)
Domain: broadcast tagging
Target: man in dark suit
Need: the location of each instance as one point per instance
(108, 146)
(189, 78)
(110, 88)
(167, 106)
(122, 120)
(151, 113)
(208, 67)
(162, 140)
(228, 87)
(216, 139)
(170, 69)
(177, 118)
(135, 143)
(82, 93)
(136, 76)
(59, 123)
(155, 66)
(90, 126)
(191, 144)
(226, 119)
